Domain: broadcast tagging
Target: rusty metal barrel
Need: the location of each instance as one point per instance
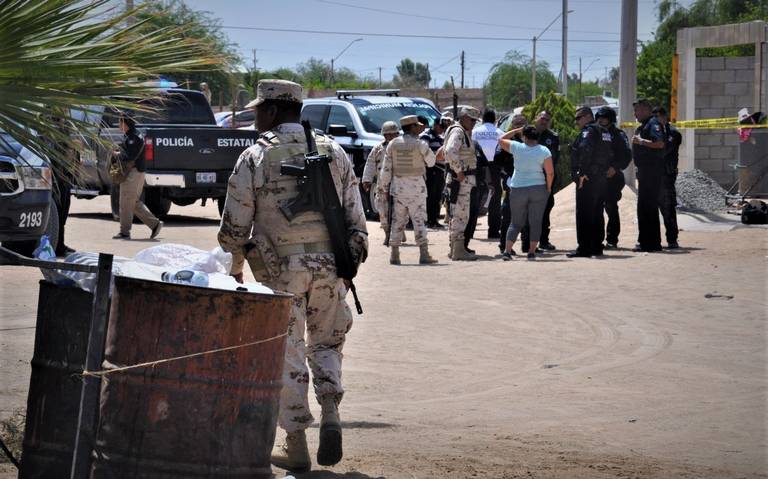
(209, 415)
(61, 343)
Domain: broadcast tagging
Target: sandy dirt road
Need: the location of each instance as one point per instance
(559, 368)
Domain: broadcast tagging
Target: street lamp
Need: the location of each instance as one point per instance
(533, 71)
(581, 98)
(340, 53)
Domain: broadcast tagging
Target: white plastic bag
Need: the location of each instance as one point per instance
(174, 257)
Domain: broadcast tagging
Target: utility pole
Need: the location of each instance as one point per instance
(533, 71)
(628, 71)
(254, 59)
(129, 7)
(379, 77)
(565, 48)
(462, 69)
(580, 73)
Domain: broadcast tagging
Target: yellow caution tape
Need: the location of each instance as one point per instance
(708, 124)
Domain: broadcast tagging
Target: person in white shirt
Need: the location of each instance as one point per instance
(487, 136)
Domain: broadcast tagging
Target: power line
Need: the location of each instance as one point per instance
(444, 19)
(404, 35)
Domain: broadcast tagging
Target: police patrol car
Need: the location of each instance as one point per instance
(355, 117)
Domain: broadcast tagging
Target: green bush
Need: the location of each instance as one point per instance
(563, 113)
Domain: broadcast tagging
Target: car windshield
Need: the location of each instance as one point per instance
(175, 108)
(374, 115)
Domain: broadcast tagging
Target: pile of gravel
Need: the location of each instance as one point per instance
(697, 191)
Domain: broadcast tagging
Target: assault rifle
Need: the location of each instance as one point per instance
(317, 192)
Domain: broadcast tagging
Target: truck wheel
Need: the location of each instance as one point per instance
(158, 205)
(369, 205)
(26, 248)
(114, 200)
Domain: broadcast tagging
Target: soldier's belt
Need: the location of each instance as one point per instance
(304, 248)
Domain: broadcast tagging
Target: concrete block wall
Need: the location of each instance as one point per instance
(724, 85)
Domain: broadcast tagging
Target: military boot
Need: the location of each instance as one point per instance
(329, 451)
(293, 455)
(394, 255)
(450, 250)
(386, 238)
(424, 257)
(459, 253)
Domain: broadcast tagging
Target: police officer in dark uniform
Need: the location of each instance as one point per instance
(551, 140)
(648, 152)
(435, 177)
(668, 195)
(593, 152)
(622, 157)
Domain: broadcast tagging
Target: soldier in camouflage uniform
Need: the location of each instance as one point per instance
(295, 256)
(405, 164)
(373, 164)
(459, 152)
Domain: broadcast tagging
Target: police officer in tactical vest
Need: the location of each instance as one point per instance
(622, 157)
(594, 155)
(402, 175)
(648, 152)
(459, 152)
(668, 195)
(296, 255)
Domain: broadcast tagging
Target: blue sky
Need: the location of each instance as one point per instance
(593, 33)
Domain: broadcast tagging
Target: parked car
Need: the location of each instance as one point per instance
(354, 118)
(188, 156)
(27, 209)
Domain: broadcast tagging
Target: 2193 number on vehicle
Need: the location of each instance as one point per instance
(31, 219)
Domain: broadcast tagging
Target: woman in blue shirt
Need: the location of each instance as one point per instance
(529, 186)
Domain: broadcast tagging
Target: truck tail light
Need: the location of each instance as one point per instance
(149, 149)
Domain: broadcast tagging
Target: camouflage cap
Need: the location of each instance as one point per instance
(473, 113)
(389, 127)
(410, 120)
(276, 90)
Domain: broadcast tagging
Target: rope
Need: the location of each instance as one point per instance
(8, 453)
(105, 372)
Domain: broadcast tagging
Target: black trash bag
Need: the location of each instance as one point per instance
(755, 213)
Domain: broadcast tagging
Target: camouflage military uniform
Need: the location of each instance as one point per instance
(405, 163)
(370, 174)
(295, 256)
(460, 155)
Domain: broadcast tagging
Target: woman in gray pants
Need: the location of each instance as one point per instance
(529, 186)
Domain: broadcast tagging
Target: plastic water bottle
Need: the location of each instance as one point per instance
(185, 276)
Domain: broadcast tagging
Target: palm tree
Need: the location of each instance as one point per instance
(60, 54)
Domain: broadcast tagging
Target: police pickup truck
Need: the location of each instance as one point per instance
(188, 156)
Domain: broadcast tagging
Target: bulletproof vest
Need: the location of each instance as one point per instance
(602, 154)
(467, 150)
(307, 232)
(407, 159)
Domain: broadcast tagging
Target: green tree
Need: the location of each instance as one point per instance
(654, 72)
(412, 74)
(58, 54)
(509, 82)
(200, 26)
(563, 113)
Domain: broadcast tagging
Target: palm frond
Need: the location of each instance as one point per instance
(60, 55)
